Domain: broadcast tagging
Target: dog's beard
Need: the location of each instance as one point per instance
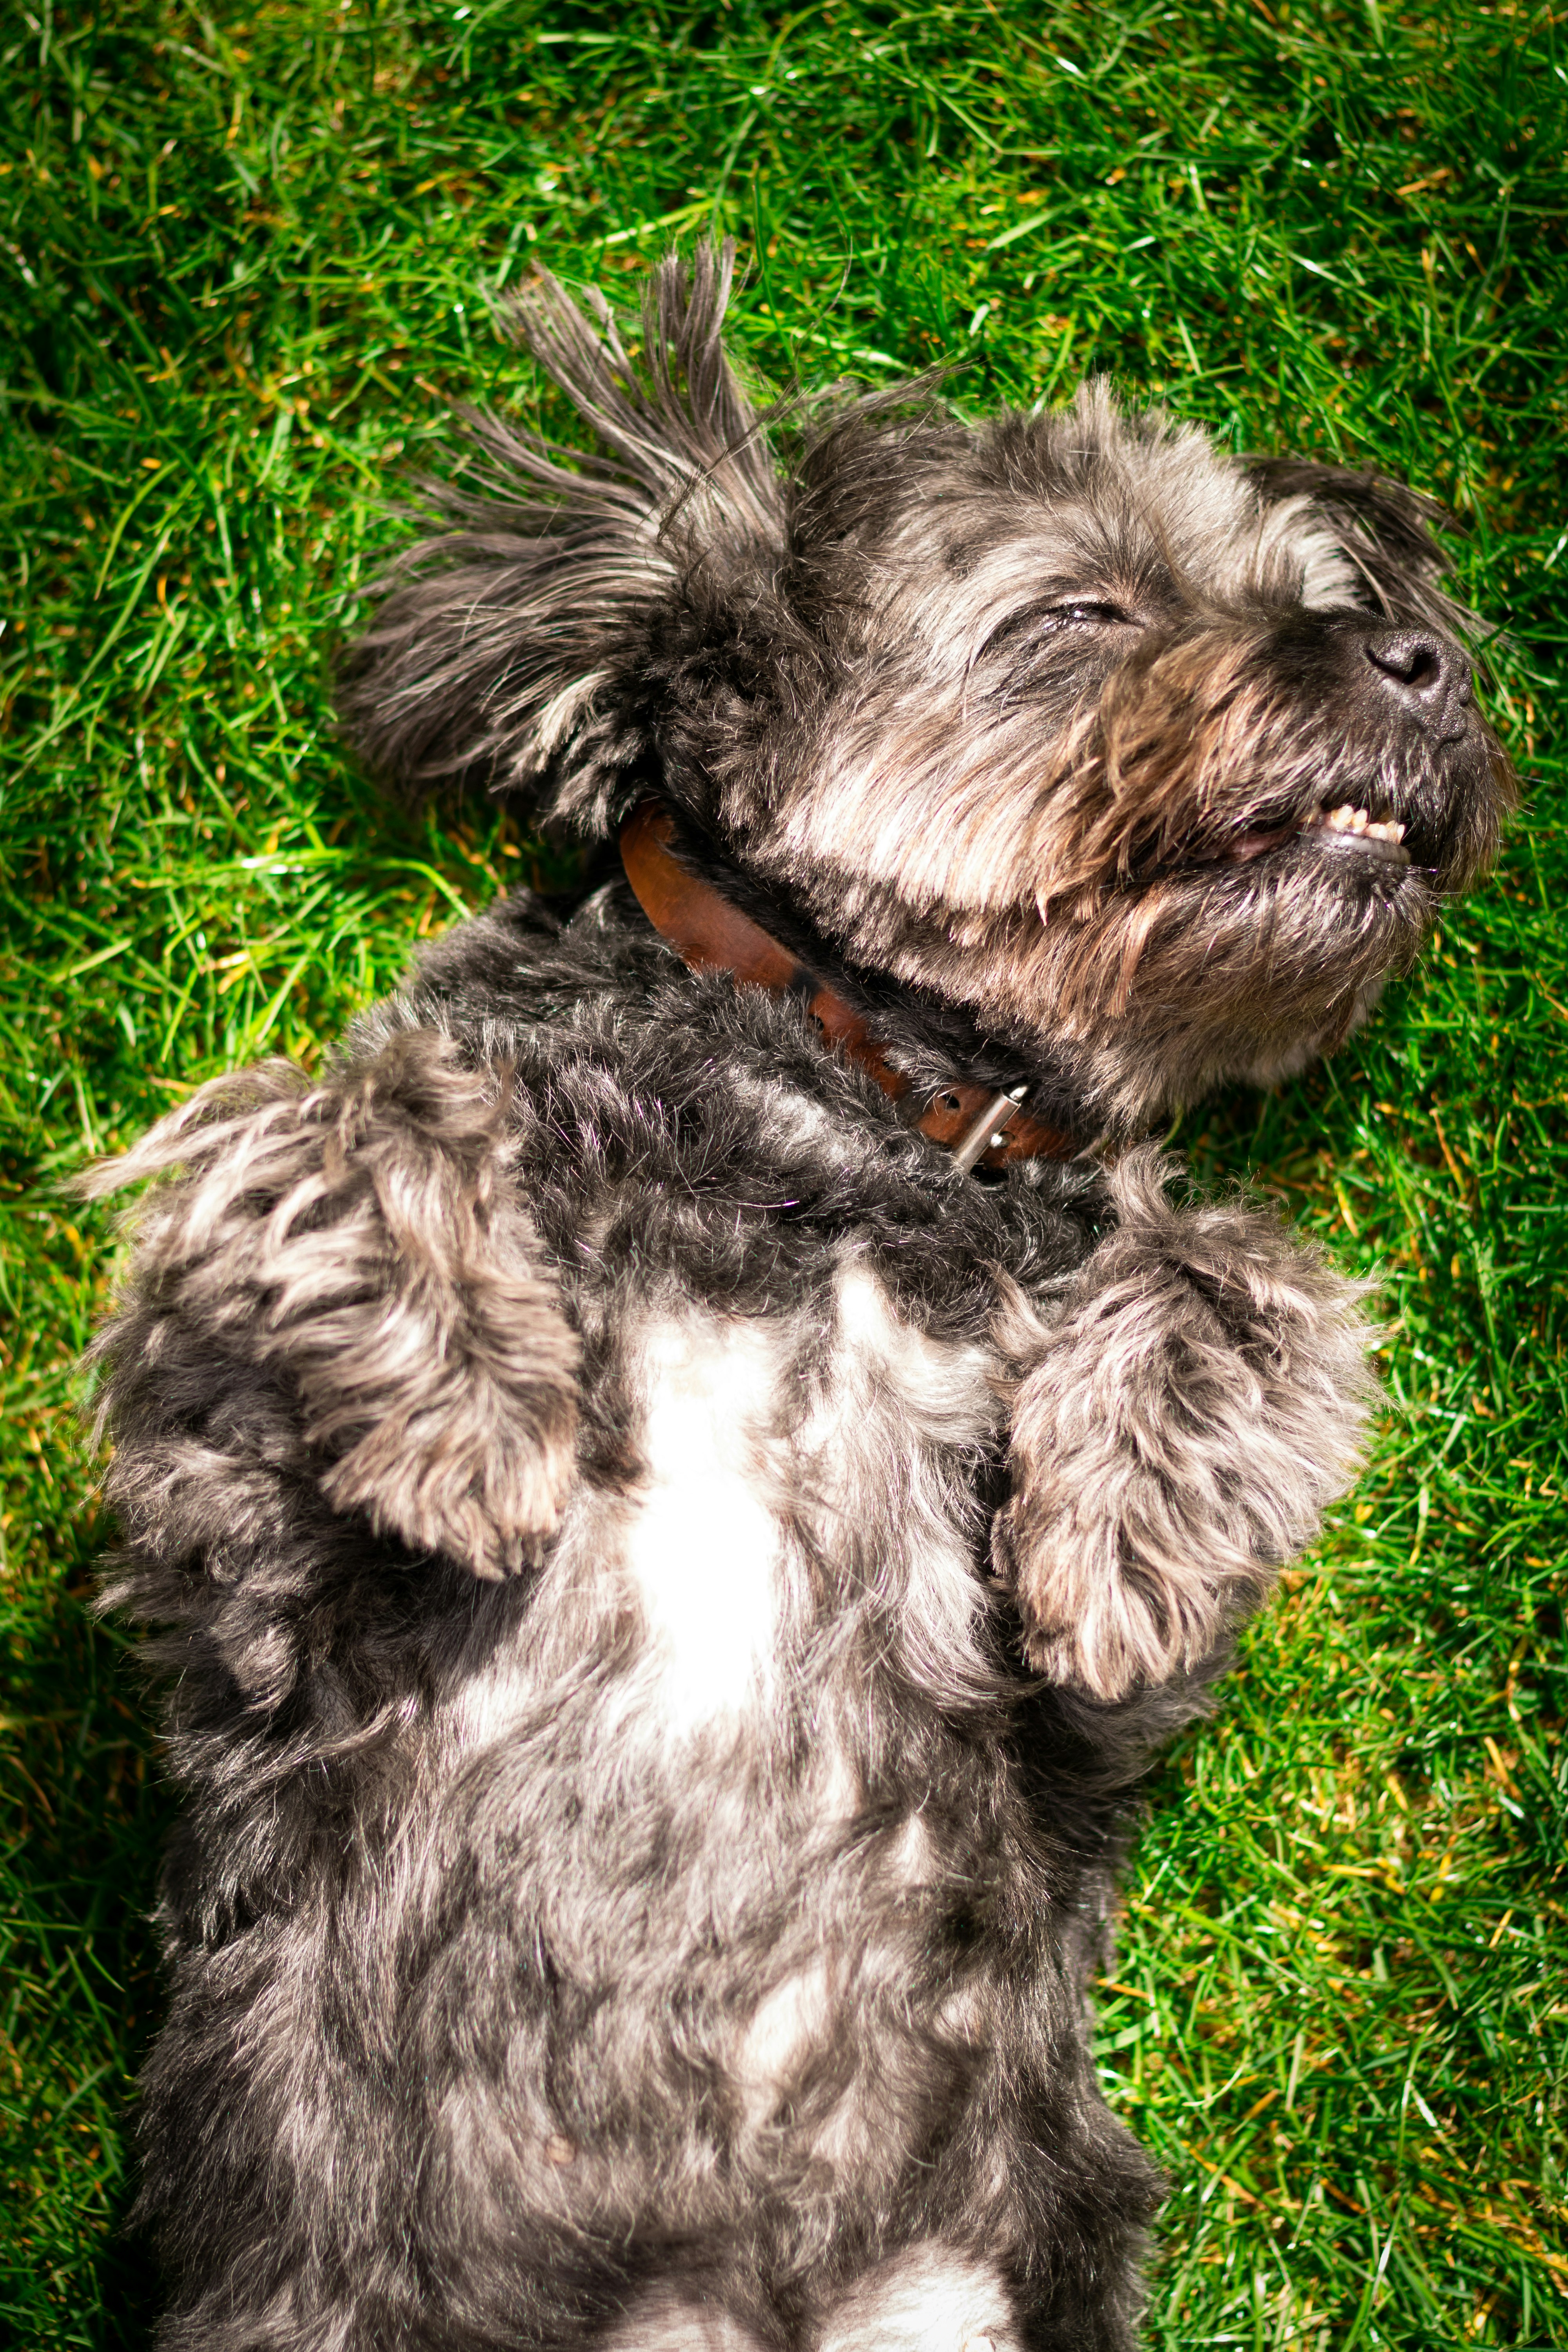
(1203, 865)
(1168, 990)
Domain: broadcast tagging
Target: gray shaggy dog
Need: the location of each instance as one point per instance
(677, 1495)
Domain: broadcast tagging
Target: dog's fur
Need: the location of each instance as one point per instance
(668, 1585)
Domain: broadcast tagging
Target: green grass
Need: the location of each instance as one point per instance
(243, 260)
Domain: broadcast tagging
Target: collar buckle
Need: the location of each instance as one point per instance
(707, 932)
(988, 1132)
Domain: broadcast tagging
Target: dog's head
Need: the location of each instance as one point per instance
(1156, 759)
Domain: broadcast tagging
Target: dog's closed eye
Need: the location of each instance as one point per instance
(1085, 609)
(1036, 624)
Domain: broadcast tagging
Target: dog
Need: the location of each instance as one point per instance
(682, 1480)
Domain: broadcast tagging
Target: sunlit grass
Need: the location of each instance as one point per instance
(245, 261)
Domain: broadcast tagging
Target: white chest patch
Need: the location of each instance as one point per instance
(851, 1428)
(702, 1548)
(931, 2298)
(940, 1387)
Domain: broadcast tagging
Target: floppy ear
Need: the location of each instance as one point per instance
(1384, 528)
(509, 646)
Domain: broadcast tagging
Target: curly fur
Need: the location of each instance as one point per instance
(358, 1240)
(667, 1587)
(1208, 1339)
(1003, 713)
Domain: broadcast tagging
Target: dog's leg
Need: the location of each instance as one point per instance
(343, 1271)
(1176, 1435)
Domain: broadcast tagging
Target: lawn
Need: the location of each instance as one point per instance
(244, 268)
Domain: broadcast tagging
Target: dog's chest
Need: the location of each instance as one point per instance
(799, 1475)
(795, 1477)
(702, 1544)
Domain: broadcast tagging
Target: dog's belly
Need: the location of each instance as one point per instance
(726, 1771)
(705, 1928)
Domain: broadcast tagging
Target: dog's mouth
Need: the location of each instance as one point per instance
(1345, 830)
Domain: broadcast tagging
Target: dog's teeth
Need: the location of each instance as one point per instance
(1348, 818)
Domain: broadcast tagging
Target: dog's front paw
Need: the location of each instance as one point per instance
(1176, 1436)
(355, 1251)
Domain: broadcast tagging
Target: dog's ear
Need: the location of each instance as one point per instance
(1386, 530)
(508, 644)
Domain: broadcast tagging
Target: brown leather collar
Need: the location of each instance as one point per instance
(980, 1127)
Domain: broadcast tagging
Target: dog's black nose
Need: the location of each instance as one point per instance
(1429, 676)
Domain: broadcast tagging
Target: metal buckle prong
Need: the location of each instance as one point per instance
(988, 1128)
